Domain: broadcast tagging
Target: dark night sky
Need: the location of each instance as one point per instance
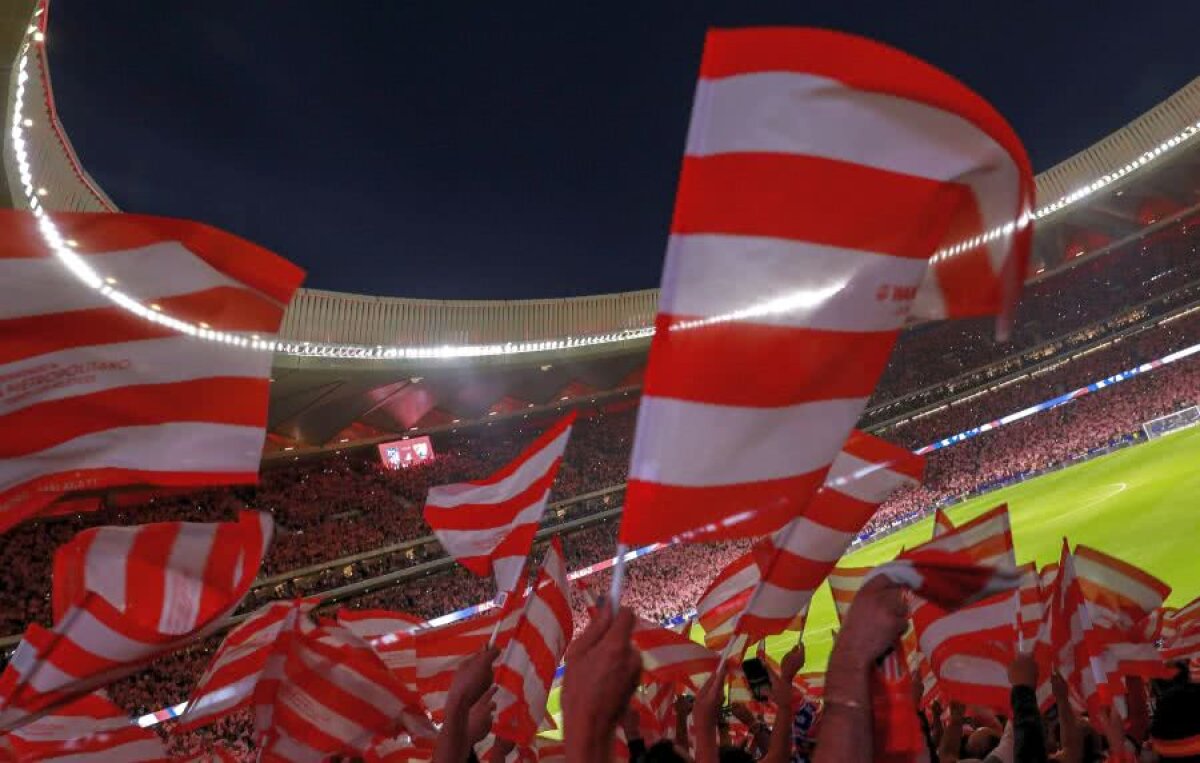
(505, 150)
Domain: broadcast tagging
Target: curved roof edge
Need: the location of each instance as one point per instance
(335, 324)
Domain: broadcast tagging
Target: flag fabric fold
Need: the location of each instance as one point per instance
(96, 390)
(851, 187)
(724, 599)
(389, 633)
(488, 525)
(794, 563)
(123, 596)
(229, 681)
(90, 729)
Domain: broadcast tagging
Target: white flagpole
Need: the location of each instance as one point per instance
(618, 577)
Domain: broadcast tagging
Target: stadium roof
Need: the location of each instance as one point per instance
(349, 367)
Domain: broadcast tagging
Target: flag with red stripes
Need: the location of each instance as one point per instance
(90, 729)
(228, 682)
(844, 583)
(389, 633)
(441, 650)
(488, 525)
(124, 596)
(526, 668)
(1181, 633)
(1120, 597)
(726, 596)
(397, 750)
(670, 657)
(1077, 649)
(965, 615)
(103, 397)
(941, 523)
(327, 694)
(797, 559)
(825, 171)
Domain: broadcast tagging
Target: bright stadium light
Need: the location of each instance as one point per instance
(82, 270)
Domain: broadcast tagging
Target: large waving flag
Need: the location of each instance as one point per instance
(90, 729)
(526, 669)
(825, 171)
(103, 397)
(488, 525)
(1077, 648)
(793, 564)
(229, 681)
(332, 695)
(126, 595)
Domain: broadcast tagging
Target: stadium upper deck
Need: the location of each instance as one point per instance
(352, 368)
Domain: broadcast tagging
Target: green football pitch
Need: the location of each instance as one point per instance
(1140, 504)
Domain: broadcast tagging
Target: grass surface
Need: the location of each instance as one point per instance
(1140, 504)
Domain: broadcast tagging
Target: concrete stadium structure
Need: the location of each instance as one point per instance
(353, 369)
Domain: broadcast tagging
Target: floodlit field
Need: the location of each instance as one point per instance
(1140, 504)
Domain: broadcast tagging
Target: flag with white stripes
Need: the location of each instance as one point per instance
(228, 682)
(124, 596)
(389, 633)
(90, 729)
(526, 668)
(1181, 632)
(106, 397)
(441, 650)
(795, 562)
(832, 189)
(330, 694)
(488, 525)
(1078, 653)
(844, 583)
(965, 613)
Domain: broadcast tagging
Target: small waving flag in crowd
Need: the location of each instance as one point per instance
(390, 634)
(332, 695)
(1078, 650)
(1181, 633)
(526, 668)
(825, 170)
(229, 681)
(844, 583)
(125, 595)
(724, 599)
(90, 729)
(488, 525)
(441, 650)
(969, 647)
(99, 393)
(793, 563)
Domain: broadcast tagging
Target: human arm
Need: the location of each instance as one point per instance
(603, 669)
(952, 734)
(1069, 732)
(876, 619)
(472, 683)
(705, 713)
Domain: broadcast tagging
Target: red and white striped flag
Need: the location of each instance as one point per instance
(799, 557)
(725, 597)
(124, 596)
(390, 634)
(229, 680)
(670, 657)
(1078, 651)
(441, 650)
(969, 647)
(90, 729)
(488, 525)
(941, 523)
(330, 694)
(103, 397)
(526, 668)
(397, 750)
(825, 170)
(844, 583)
(1119, 598)
(1031, 610)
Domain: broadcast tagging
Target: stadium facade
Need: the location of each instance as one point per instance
(351, 370)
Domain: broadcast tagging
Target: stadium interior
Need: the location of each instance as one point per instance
(1104, 342)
